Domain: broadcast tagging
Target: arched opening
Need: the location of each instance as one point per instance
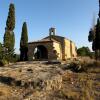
(40, 52)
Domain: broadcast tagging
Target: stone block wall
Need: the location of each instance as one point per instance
(70, 49)
(67, 49)
(47, 44)
(57, 48)
(74, 52)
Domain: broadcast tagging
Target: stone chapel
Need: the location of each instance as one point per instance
(52, 47)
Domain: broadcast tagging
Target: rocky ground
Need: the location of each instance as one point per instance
(42, 81)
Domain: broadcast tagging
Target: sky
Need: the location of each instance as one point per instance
(71, 18)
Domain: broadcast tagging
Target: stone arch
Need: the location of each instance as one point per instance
(40, 52)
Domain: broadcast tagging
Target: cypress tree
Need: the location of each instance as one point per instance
(94, 37)
(24, 43)
(97, 39)
(10, 24)
(1, 49)
(91, 36)
(97, 36)
(9, 37)
(9, 40)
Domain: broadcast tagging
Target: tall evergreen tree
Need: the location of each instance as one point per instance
(91, 36)
(94, 37)
(10, 24)
(1, 49)
(9, 37)
(97, 39)
(9, 40)
(24, 43)
(97, 35)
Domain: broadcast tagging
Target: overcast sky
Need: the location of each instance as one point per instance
(71, 18)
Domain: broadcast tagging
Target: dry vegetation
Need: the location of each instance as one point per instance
(42, 81)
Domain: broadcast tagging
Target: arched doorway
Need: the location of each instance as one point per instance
(40, 52)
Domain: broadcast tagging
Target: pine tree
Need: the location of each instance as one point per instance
(24, 43)
(9, 37)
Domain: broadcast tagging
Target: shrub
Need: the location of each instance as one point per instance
(85, 51)
(76, 67)
(3, 62)
(15, 58)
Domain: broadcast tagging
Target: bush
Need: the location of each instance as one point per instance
(12, 58)
(3, 62)
(76, 67)
(85, 65)
(85, 51)
(15, 58)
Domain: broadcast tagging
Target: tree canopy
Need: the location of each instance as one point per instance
(24, 43)
(9, 37)
(83, 51)
(10, 23)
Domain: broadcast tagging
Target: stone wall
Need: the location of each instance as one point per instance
(74, 52)
(57, 48)
(70, 49)
(67, 49)
(62, 49)
(47, 44)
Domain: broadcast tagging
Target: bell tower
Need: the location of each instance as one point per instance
(52, 31)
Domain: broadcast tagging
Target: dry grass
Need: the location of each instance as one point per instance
(81, 86)
(5, 92)
(88, 65)
(84, 85)
(91, 66)
(75, 86)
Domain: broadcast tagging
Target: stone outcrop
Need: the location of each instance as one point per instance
(35, 76)
(47, 81)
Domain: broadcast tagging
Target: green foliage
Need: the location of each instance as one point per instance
(24, 36)
(93, 45)
(10, 24)
(16, 57)
(94, 37)
(97, 39)
(83, 51)
(12, 40)
(91, 36)
(75, 67)
(1, 49)
(3, 62)
(9, 37)
(9, 40)
(24, 43)
(8, 45)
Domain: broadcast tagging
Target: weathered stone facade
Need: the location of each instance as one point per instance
(52, 47)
